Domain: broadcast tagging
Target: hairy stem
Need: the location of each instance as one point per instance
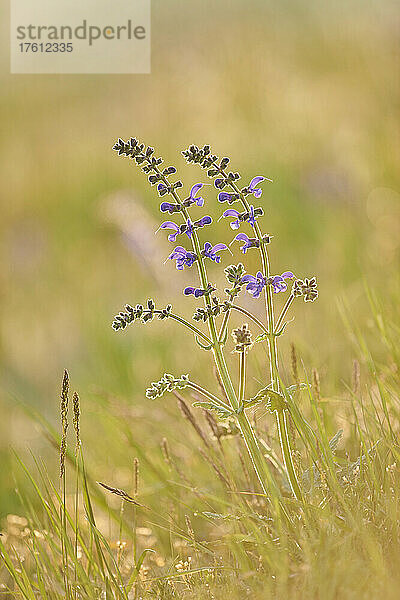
(283, 312)
(183, 321)
(191, 327)
(224, 326)
(242, 376)
(208, 395)
(256, 455)
(251, 316)
(273, 355)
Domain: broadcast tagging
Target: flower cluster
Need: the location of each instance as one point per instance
(278, 281)
(216, 169)
(214, 310)
(249, 216)
(184, 258)
(167, 383)
(256, 283)
(139, 313)
(242, 338)
(251, 242)
(234, 274)
(306, 288)
(144, 156)
(198, 292)
(178, 207)
(187, 227)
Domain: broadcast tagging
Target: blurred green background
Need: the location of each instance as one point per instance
(306, 93)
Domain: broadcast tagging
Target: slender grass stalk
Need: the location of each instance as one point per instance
(63, 508)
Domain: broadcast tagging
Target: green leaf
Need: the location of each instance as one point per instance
(136, 569)
(203, 346)
(220, 410)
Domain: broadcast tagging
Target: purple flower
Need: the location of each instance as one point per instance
(170, 225)
(219, 183)
(189, 228)
(170, 208)
(248, 242)
(183, 257)
(204, 221)
(278, 281)
(197, 292)
(198, 200)
(211, 251)
(163, 189)
(252, 218)
(231, 212)
(225, 197)
(253, 189)
(255, 284)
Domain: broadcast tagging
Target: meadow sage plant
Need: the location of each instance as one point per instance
(215, 312)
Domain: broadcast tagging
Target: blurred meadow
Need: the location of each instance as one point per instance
(305, 93)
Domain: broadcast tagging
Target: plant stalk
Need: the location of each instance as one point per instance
(273, 357)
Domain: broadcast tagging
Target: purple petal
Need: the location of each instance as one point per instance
(231, 212)
(219, 247)
(205, 221)
(287, 275)
(198, 292)
(255, 181)
(195, 189)
(165, 206)
(200, 201)
(207, 246)
(169, 225)
(257, 193)
(242, 236)
(189, 290)
(235, 224)
(224, 197)
(247, 278)
(172, 236)
(179, 251)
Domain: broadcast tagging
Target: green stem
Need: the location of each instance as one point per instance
(208, 395)
(191, 327)
(252, 317)
(224, 326)
(183, 321)
(287, 452)
(273, 355)
(242, 376)
(256, 455)
(283, 312)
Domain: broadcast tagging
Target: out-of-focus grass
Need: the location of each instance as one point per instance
(303, 93)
